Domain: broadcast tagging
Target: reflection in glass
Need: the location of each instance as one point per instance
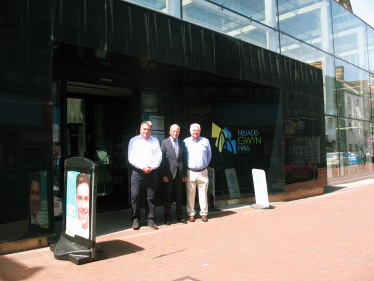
(350, 39)
(370, 47)
(254, 9)
(371, 114)
(333, 156)
(293, 48)
(355, 147)
(352, 87)
(309, 21)
(230, 23)
(159, 5)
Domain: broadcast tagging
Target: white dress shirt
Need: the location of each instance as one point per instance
(144, 152)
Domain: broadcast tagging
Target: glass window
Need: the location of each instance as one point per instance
(350, 41)
(57, 172)
(351, 145)
(295, 49)
(333, 156)
(352, 89)
(309, 21)
(254, 9)
(367, 146)
(230, 23)
(371, 111)
(159, 5)
(370, 36)
(153, 109)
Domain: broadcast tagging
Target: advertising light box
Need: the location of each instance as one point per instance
(78, 204)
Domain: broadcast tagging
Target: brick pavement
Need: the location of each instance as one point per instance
(328, 237)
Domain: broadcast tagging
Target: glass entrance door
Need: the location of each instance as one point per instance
(98, 129)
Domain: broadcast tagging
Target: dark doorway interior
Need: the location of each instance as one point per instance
(99, 128)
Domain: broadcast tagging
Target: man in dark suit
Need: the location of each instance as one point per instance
(173, 172)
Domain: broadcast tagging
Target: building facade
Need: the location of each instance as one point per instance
(282, 86)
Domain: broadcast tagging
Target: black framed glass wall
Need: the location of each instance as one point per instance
(244, 127)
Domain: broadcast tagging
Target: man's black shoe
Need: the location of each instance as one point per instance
(152, 225)
(135, 225)
(181, 220)
(167, 222)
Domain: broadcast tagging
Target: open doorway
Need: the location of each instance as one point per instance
(99, 128)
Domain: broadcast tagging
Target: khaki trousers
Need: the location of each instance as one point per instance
(201, 181)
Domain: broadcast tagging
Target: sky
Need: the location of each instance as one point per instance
(364, 9)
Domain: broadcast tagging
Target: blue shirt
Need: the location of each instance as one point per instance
(198, 153)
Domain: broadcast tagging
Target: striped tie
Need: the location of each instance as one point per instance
(175, 147)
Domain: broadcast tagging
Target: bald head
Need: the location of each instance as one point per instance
(174, 131)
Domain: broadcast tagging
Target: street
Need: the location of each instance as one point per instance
(327, 237)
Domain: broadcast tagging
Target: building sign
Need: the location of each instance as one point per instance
(239, 141)
(291, 127)
(246, 138)
(201, 112)
(223, 139)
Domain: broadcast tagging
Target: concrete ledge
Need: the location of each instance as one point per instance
(23, 245)
(288, 196)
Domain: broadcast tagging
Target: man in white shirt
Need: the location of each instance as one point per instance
(144, 156)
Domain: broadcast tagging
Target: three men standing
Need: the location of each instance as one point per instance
(173, 171)
(145, 156)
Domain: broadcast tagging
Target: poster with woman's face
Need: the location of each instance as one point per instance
(38, 199)
(78, 204)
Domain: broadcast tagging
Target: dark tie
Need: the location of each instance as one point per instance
(175, 147)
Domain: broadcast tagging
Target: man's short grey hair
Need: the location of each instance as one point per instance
(195, 124)
(149, 123)
(175, 125)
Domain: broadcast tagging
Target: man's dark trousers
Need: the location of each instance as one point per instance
(141, 181)
(175, 184)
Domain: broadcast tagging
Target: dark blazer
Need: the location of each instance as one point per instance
(170, 162)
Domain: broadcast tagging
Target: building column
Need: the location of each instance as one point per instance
(173, 8)
(271, 21)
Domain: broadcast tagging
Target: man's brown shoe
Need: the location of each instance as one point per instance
(191, 219)
(204, 218)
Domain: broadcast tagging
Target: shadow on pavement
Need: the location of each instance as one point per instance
(116, 248)
(14, 271)
(329, 189)
(221, 214)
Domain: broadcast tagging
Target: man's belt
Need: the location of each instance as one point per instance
(198, 170)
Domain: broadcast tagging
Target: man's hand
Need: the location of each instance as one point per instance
(184, 179)
(147, 169)
(165, 179)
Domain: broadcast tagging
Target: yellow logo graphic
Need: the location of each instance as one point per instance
(223, 139)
